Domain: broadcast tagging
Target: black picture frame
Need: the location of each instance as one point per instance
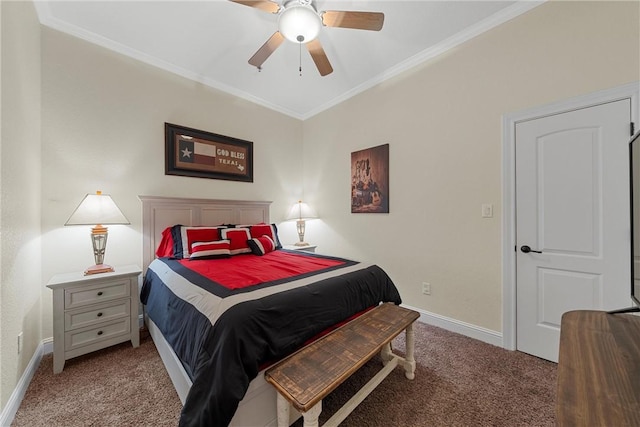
(200, 154)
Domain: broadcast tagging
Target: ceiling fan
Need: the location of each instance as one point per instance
(300, 22)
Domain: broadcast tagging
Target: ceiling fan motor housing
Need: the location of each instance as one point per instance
(299, 22)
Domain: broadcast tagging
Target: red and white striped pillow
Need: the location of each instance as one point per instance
(238, 238)
(261, 245)
(187, 235)
(210, 250)
(258, 230)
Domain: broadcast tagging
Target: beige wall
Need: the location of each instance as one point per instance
(20, 252)
(443, 123)
(103, 129)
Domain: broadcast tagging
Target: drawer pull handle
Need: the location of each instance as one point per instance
(100, 314)
(99, 332)
(100, 293)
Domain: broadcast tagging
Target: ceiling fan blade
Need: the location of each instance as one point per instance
(357, 20)
(266, 50)
(264, 5)
(319, 57)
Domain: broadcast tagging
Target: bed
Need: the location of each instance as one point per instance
(219, 319)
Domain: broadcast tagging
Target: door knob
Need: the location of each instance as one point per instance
(526, 249)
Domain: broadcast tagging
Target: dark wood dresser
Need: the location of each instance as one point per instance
(599, 370)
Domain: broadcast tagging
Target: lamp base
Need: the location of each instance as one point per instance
(301, 244)
(98, 268)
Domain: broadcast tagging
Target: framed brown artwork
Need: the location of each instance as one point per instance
(196, 153)
(370, 180)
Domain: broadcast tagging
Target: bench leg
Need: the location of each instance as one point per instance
(311, 416)
(283, 411)
(385, 354)
(409, 363)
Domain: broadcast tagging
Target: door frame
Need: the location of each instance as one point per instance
(509, 121)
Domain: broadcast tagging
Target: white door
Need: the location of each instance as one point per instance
(572, 211)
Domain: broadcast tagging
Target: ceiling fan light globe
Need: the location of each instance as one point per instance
(299, 23)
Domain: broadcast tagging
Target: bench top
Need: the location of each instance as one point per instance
(307, 376)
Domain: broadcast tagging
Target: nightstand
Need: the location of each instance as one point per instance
(308, 248)
(93, 312)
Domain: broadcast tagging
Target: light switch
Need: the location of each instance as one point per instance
(487, 210)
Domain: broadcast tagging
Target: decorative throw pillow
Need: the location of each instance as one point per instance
(184, 237)
(261, 245)
(165, 248)
(238, 238)
(210, 250)
(270, 230)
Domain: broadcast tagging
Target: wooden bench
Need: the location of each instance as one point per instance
(309, 375)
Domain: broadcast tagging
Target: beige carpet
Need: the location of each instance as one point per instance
(117, 386)
(459, 382)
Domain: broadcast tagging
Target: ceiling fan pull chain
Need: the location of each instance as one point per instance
(300, 58)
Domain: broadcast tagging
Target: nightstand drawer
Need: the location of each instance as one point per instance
(84, 337)
(91, 294)
(96, 314)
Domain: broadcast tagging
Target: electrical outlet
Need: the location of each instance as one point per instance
(487, 210)
(426, 288)
(20, 343)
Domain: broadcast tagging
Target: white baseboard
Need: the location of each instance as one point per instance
(10, 409)
(462, 328)
(47, 345)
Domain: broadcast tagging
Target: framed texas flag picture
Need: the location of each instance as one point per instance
(200, 154)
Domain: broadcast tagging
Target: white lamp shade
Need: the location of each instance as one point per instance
(97, 209)
(299, 23)
(301, 211)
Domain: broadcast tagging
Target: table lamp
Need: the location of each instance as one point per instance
(301, 212)
(97, 209)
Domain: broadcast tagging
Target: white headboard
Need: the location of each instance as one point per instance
(159, 213)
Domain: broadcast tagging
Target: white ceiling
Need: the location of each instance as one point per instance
(211, 42)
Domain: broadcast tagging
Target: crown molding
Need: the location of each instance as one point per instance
(520, 7)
